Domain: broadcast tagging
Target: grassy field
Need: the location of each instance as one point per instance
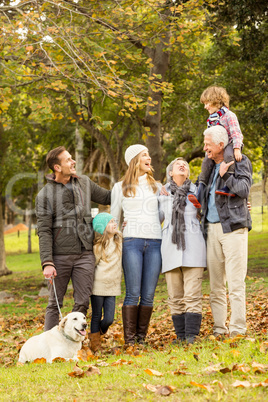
(212, 370)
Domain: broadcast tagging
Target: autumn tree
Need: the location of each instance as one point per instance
(108, 54)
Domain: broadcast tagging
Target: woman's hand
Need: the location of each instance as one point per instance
(163, 191)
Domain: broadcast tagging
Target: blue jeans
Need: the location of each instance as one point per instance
(141, 265)
(99, 304)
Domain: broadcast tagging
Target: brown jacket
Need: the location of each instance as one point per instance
(64, 220)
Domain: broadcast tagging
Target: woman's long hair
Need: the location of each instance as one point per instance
(131, 178)
(101, 242)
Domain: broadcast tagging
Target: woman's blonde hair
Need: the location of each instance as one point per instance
(217, 96)
(131, 178)
(100, 244)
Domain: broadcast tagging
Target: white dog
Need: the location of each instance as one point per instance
(64, 340)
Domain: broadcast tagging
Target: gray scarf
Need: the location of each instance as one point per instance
(178, 208)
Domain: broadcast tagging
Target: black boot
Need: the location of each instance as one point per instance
(192, 326)
(179, 326)
(129, 315)
(144, 316)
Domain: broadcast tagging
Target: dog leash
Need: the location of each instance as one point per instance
(55, 293)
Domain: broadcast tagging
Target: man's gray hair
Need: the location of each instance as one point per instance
(218, 134)
(170, 168)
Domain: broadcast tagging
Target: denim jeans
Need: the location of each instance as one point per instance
(141, 265)
(105, 305)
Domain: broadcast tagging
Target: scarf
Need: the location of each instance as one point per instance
(214, 118)
(178, 208)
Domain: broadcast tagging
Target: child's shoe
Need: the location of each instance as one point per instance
(225, 191)
(194, 200)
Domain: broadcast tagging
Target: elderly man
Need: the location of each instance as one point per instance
(63, 210)
(225, 223)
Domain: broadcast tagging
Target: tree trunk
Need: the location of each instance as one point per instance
(160, 61)
(79, 154)
(30, 219)
(3, 268)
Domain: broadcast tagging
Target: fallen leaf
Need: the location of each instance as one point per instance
(235, 352)
(78, 372)
(40, 361)
(153, 372)
(120, 362)
(92, 370)
(150, 387)
(206, 387)
(164, 390)
(102, 364)
(212, 369)
(241, 367)
(243, 384)
(264, 347)
(58, 359)
(260, 366)
(225, 370)
(261, 384)
(85, 354)
(179, 372)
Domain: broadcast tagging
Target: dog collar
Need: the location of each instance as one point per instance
(69, 338)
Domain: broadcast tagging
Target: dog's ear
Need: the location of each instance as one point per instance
(62, 323)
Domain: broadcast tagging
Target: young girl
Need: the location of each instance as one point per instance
(216, 102)
(108, 273)
(136, 197)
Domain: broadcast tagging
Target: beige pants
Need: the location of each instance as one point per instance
(184, 287)
(227, 255)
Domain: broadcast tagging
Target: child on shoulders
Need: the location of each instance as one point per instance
(216, 102)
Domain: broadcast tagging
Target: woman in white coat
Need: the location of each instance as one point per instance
(183, 252)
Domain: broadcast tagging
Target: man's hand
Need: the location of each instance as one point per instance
(237, 154)
(49, 272)
(224, 167)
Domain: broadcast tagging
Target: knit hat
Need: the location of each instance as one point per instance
(133, 151)
(101, 221)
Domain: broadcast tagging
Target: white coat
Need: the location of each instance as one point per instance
(194, 254)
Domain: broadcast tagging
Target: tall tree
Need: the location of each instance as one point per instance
(90, 51)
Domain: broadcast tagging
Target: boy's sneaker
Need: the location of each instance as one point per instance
(224, 191)
(194, 200)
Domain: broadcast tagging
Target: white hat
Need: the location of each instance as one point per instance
(133, 151)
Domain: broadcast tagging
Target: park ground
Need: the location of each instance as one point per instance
(212, 370)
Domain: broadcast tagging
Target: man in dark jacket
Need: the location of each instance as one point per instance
(63, 210)
(226, 221)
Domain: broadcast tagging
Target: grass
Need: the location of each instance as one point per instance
(259, 216)
(15, 244)
(123, 376)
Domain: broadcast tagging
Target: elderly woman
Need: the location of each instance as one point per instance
(183, 252)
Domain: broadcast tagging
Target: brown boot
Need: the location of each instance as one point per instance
(144, 316)
(129, 315)
(95, 341)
